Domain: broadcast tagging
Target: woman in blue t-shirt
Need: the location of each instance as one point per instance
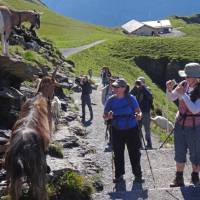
(123, 109)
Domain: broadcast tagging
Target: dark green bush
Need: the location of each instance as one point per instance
(71, 186)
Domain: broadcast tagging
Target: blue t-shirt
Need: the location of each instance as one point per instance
(123, 111)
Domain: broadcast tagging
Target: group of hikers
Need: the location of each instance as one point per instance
(126, 111)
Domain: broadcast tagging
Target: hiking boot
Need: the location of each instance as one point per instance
(118, 179)
(83, 119)
(195, 178)
(178, 180)
(138, 179)
(149, 145)
(108, 148)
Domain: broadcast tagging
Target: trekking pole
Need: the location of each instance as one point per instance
(112, 152)
(148, 157)
(166, 139)
(109, 129)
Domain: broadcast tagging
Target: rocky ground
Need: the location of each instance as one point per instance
(161, 160)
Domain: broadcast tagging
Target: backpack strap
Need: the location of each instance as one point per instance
(130, 101)
(111, 99)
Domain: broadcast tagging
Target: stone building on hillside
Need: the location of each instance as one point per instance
(147, 28)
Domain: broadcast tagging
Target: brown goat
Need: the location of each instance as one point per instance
(26, 154)
(10, 18)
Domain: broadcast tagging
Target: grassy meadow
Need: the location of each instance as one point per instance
(63, 31)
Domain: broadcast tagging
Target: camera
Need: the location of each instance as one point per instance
(77, 80)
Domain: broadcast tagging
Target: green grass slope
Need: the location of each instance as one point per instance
(118, 55)
(65, 32)
(191, 30)
(102, 55)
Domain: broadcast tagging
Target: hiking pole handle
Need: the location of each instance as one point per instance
(166, 139)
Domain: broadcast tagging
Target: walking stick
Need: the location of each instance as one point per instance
(166, 139)
(109, 129)
(139, 124)
(112, 152)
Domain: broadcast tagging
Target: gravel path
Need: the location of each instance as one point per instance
(70, 51)
(161, 160)
(174, 33)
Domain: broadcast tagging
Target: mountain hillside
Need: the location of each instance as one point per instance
(158, 59)
(65, 32)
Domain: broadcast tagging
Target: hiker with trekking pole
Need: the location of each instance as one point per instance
(107, 92)
(145, 99)
(187, 126)
(123, 111)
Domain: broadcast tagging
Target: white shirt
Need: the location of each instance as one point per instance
(193, 107)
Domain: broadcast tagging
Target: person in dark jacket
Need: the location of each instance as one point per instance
(85, 97)
(145, 100)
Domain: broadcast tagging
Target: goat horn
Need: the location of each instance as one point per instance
(54, 73)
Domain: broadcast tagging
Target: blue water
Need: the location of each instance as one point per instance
(117, 12)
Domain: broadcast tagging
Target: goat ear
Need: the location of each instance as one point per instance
(40, 13)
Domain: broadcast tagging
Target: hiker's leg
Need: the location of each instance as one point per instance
(180, 145)
(83, 103)
(133, 146)
(89, 104)
(193, 141)
(180, 167)
(146, 120)
(142, 145)
(118, 148)
(194, 148)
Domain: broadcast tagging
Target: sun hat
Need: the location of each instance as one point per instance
(191, 70)
(120, 83)
(141, 79)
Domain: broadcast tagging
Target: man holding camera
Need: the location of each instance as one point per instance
(145, 100)
(85, 96)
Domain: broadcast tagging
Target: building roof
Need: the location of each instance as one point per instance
(132, 26)
(159, 24)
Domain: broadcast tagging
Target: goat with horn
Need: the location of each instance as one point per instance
(10, 18)
(30, 137)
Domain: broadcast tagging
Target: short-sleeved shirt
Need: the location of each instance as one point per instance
(123, 111)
